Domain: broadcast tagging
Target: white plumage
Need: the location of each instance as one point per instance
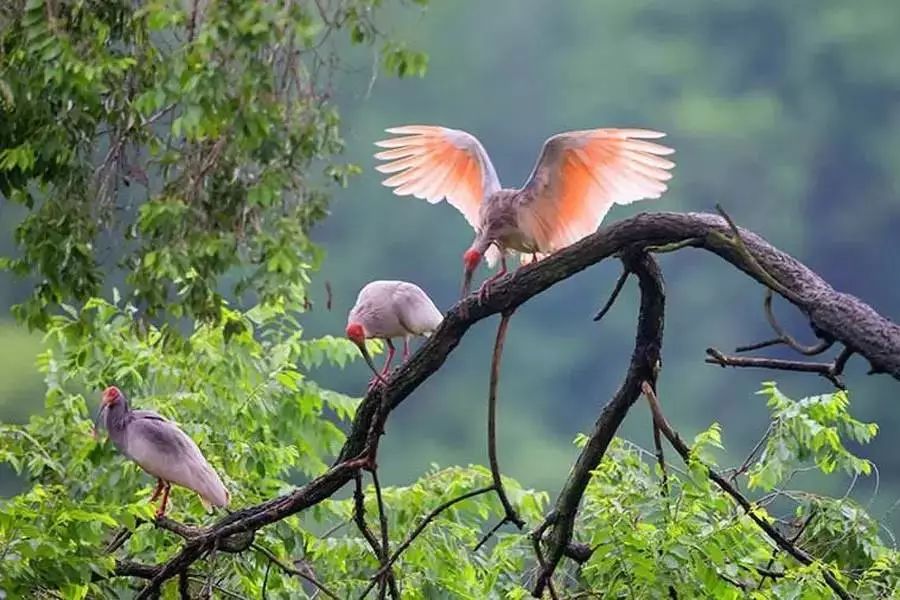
(391, 309)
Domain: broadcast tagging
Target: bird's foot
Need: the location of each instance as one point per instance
(484, 291)
(375, 382)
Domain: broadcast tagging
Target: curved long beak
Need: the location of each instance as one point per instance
(368, 358)
(466, 285)
(97, 419)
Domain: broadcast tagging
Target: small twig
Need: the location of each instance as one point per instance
(786, 338)
(329, 295)
(767, 572)
(511, 514)
(418, 530)
(265, 580)
(746, 464)
(548, 576)
(490, 533)
(661, 460)
(122, 536)
(826, 370)
(620, 283)
(737, 242)
(274, 560)
(359, 515)
(385, 542)
(773, 534)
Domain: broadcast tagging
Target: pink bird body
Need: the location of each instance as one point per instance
(579, 175)
(161, 449)
(391, 309)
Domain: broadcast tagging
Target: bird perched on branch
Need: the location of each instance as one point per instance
(161, 449)
(390, 309)
(578, 177)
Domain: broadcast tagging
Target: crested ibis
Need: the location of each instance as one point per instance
(390, 309)
(578, 176)
(161, 449)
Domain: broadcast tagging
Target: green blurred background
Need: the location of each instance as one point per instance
(788, 114)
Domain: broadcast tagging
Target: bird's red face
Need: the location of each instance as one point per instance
(471, 258)
(111, 396)
(356, 333)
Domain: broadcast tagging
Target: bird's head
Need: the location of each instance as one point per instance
(471, 258)
(356, 333)
(110, 398)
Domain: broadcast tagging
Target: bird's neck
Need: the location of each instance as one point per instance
(117, 419)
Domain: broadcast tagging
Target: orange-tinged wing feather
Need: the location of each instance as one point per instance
(435, 163)
(581, 174)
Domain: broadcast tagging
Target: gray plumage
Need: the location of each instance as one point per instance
(161, 449)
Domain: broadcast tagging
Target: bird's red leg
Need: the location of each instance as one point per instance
(387, 363)
(165, 500)
(405, 349)
(484, 289)
(159, 487)
(390, 358)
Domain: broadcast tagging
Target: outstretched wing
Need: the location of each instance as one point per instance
(581, 174)
(434, 163)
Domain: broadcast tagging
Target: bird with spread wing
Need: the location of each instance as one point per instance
(579, 175)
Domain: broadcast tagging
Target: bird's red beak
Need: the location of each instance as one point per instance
(471, 258)
(357, 335)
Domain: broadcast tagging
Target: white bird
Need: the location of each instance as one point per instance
(160, 448)
(391, 309)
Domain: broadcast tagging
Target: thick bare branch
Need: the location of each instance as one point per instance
(645, 361)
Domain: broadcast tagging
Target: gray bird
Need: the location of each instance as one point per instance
(391, 309)
(161, 449)
(578, 177)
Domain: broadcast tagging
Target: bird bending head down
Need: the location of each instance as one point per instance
(357, 334)
(471, 259)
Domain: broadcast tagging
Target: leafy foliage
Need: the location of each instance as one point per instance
(177, 141)
(240, 388)
(810, 429)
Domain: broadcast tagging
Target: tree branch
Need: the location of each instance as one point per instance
(840, 316)
(773, 534)
(831, 371)
(418, 530)
(274, 560)
(645, 361)
(510, 513)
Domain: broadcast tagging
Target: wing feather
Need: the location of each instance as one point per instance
(165, 451)
(415, 310)
(434, 163)
(581, 174)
